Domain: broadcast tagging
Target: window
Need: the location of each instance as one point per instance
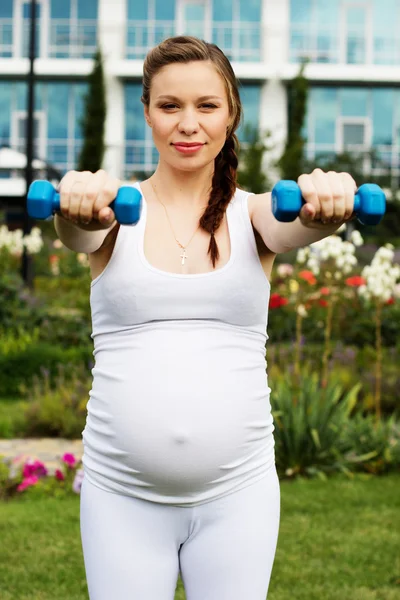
(234, 25)
(357, 120)
(58, 110)
(6, 28)
(73, 28)
(314, 30)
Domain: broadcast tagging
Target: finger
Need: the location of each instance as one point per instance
(106, 196)
(338, 196)
(350, 188)
(322, 185)
(91, 192)
(310, 211)
(76, 194)
(64, 190)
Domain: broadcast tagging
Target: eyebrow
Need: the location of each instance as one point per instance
(201, 99)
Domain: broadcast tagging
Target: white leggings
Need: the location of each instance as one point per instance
(224, 549)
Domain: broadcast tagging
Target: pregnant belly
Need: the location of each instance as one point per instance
(179, 421)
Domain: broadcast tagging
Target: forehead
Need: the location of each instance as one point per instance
(196, 78)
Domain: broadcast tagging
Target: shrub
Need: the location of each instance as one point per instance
(59, 410)
(18, 369)
(308, 421)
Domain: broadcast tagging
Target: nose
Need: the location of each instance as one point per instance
(188, 123)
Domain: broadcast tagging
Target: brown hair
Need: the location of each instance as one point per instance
(184, 49)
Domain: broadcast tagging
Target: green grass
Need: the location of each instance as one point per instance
(338, 540)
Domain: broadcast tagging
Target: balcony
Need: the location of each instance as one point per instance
(329, 45)
(240, 41)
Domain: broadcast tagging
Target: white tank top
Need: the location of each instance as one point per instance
(179, 410)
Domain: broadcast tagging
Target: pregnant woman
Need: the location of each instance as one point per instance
(179, 465)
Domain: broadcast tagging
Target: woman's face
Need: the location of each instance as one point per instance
(188, 113)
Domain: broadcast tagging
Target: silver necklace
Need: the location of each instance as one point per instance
(183, 255)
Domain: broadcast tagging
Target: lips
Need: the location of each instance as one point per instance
(188, 147)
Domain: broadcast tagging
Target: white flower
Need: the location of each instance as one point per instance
(301, 309)
(356, 238)
(57, 244)
(302, 255)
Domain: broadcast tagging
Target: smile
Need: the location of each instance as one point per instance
(185, 149)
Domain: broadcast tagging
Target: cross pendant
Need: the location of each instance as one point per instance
(183, 256)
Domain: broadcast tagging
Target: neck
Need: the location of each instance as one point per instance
(183, 189)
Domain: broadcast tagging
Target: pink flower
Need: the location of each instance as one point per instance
(34, 468)
(32, 480)
(69, 459)
(59, 475)
(284, 270)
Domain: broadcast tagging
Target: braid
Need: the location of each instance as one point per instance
(223, 188)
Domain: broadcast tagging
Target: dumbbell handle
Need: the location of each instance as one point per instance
(43, 200)
(369, 202)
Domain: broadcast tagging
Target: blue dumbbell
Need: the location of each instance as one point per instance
(369, 202)
(43, 200)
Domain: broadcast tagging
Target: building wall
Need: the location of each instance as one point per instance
(354, 70)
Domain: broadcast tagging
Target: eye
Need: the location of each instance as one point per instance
(169, 106)
(206, 105)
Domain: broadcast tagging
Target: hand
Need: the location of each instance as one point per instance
(85, 198)
(329, 198)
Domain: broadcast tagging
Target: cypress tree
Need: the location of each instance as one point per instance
(251, 174)
(291, 163)
(93, 121)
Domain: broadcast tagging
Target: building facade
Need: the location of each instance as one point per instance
(354, 71)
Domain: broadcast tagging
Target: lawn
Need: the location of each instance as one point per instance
(338, 540)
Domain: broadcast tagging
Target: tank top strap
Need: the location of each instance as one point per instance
(243, 227)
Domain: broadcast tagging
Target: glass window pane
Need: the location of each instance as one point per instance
(356, 34)
(354, 102)
(135, 127)
(79, 92)
(58, 101)
(6, 9)
(165, 10)
(324, 111)
(353, 134)
(382, 116)
(60, 9)
(300, 11)
(250, 97)
(87, 9)
(21, 90)
(250, 10)
(137, 9)
(5, 111)
(222, 10)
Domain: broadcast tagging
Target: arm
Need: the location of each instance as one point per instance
(282, 237)
(328, 203)
(79, 238)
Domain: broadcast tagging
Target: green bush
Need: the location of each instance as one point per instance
(377, 443)
(18, 369)
(308, 423)
(58, 409)
(318, 431)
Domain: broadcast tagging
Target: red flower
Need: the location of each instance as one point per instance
(59, 475)
(356, 281)
(54, 258)
(308, 276)
(390, 301)
(276, 301)
(324, 291)
(323, 303)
